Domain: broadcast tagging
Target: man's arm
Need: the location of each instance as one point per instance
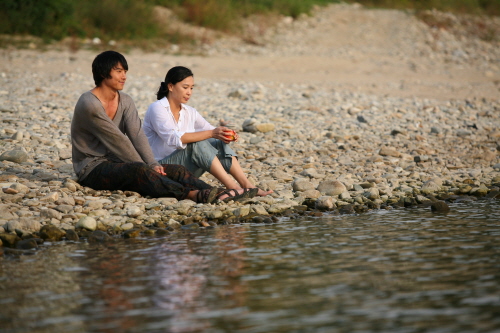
(92, 119)
(134, 131)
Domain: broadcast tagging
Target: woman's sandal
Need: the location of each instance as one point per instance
(235, 196)
(207, 195)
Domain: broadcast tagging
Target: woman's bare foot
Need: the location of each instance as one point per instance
(263, 193)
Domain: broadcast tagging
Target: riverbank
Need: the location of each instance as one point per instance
(346, 111)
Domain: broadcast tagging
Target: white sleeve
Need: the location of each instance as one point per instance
(200, 123)
(163, 124)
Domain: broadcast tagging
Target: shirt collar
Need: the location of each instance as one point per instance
(166, 104)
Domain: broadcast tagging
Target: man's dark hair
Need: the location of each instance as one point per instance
(104, 63)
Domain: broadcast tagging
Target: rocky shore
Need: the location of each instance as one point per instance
(320, 148)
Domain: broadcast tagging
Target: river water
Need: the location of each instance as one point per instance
(407, 270)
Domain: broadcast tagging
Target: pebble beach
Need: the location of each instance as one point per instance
(394, 115)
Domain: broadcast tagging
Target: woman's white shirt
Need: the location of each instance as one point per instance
(164, 133)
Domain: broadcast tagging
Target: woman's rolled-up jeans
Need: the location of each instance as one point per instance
(197, 157)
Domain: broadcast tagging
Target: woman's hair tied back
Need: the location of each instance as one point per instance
(174, 75)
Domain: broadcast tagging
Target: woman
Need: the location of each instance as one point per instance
(110, 150)
(178, 134)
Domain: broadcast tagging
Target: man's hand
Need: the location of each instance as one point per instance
(160, 170)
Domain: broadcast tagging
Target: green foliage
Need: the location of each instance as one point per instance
(215, 14)
(133, 19)
(44, 18)
(124, 19)
(489, 7)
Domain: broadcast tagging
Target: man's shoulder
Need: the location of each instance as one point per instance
(86, 100)
(125, 98)
(85, 96)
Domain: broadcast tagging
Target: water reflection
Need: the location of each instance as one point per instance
(400, 271)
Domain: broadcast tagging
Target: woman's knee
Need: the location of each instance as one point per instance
(203, 145)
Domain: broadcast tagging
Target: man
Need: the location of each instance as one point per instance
(110, 150)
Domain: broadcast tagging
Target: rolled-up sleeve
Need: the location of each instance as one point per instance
(164, 133)
(162, 124)
(200, 123)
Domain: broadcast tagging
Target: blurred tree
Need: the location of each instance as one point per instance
(43, 18)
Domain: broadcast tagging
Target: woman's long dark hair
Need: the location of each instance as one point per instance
(174, 75)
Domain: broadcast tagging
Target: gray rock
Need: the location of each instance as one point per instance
(65, 154)
(27, 244)
(72, 235)
(331, 187)
(278, 208)
(302, 184)
(66, 201)
(71, 186)
(463, 133)
(421, 158)
(174, 224)
(87, 222)
(239, 94)
(132, 233)
(440, 207)
(7, 212)
(241, 211)
(16, 156)
(372, 193)
(345, 195)
(430, 187)
(9, 239)
(388, 151)
(99, 236)
(325, 203)
(311, 173)
(20, 188)
(51, 197)
(362, 119)
(127, 226)
(50, 214)
(249, 125)
(215, 214)
(17, 136)
(134, 211)
(24, 224)
(311, 194)
(285, 177)
(94, 204)
(264, 128)
(52, 233)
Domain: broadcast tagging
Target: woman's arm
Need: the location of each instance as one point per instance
(216, 133)
(202, 128)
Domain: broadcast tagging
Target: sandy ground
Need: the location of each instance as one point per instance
(381, 52)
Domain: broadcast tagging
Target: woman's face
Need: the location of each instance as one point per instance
(181, 91)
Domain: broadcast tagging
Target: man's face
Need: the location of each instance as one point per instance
(118, 77)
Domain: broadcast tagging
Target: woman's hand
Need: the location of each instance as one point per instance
(160, 170)
(222, 134)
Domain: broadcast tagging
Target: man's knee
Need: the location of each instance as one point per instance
(141, 168)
